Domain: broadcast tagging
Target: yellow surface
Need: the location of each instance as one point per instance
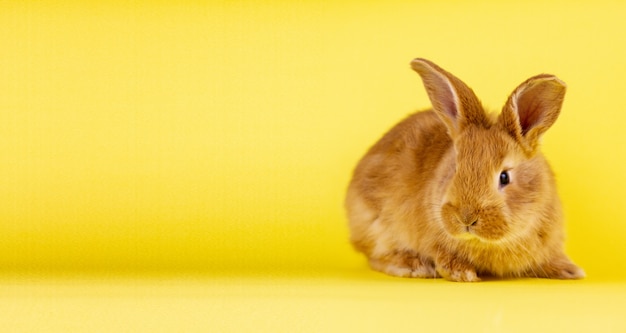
(176, 138)
(363, 302)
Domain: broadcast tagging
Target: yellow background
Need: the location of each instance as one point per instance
(216, 139)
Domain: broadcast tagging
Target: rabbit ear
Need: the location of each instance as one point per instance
(532, 108)
(454, 102)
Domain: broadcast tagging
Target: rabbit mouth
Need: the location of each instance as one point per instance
(485, 224)
(468, 235)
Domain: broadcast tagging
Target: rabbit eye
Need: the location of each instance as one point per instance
(504, 178)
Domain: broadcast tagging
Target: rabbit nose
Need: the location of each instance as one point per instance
(467, 217)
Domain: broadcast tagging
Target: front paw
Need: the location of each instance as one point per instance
(405, 264)
(457, 271)
(467, 275)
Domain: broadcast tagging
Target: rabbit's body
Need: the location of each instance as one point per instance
(428, 199)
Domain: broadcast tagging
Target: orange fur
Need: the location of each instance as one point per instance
(425, 201)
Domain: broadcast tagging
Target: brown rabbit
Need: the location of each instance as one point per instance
(458, 193)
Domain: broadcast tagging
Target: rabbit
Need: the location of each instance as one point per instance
(458, 193)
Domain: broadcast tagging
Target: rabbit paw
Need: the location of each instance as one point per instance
(454, 270)
(560, 268)
(405, 264)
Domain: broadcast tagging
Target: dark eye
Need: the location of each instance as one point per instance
(504, 178)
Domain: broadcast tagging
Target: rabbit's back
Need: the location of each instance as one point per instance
(397, 172)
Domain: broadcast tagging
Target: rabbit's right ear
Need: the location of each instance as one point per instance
(453, 101)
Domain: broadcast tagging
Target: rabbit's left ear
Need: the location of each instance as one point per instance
(532, 108)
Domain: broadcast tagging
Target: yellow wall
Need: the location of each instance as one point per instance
(183, 135)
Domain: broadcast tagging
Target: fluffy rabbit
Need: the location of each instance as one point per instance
(457, 193)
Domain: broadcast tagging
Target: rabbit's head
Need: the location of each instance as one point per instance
(499, 186)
